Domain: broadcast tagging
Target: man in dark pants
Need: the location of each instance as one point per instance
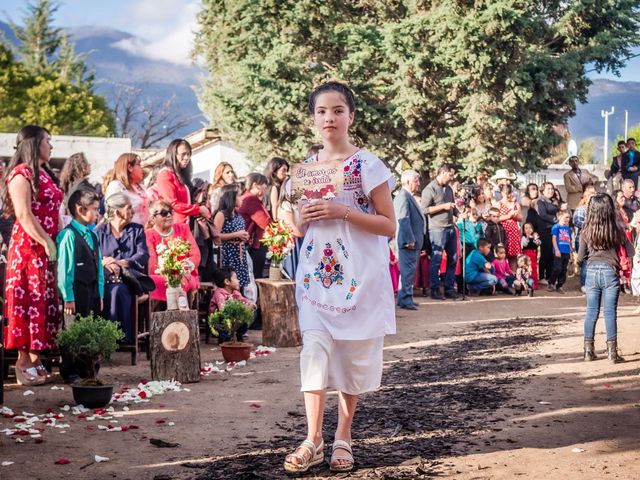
(409, 235)
(438, 203)
(547, 212)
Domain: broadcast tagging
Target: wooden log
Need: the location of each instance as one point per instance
(175, 346)
(279, 313)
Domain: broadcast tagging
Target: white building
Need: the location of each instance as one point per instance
(208, 150)
(101, 152)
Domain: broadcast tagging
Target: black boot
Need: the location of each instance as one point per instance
(612, 352)
(589, 351)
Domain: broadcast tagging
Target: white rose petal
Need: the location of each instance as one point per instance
(99, 459)
(6, 463)
(28, 392)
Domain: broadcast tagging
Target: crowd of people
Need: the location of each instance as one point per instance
(78, 248)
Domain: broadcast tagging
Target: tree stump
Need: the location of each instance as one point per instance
(175, 346)
(279, 313)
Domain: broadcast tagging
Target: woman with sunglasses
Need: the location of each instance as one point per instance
(127, 177)
(160, 229)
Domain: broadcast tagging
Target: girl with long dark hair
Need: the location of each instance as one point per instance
(173, 182)
(601, 242)
(233, 233)
(31, 296)
(277, 172)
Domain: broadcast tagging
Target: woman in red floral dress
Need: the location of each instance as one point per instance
(510, 216)
(31, 298)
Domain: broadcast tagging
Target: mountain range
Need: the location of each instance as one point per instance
(116, 67)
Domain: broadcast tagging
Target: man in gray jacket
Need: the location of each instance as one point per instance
(409, 235)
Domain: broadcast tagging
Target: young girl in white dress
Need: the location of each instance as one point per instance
(343, 287)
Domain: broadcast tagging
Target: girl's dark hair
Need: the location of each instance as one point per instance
(74, 169)
(171, 161)
(227, 202)
(255, 178)
(222, 274)
(506, 189)
(27, 151)
(81, 198)
(272, 168)
(333, 86)
(526, 190)
(313, 150)
(601, 230)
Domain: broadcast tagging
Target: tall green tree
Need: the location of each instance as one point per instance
(49, 100)
(49, 84)
(478, 83)
(45, 49)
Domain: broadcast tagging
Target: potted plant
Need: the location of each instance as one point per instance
(234, 314)
(173, 256)
(89, 340)
(280, 242)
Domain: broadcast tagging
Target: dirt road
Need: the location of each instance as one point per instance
(492, 388)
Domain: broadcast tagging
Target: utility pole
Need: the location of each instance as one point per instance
(605, 148)
(626, 125)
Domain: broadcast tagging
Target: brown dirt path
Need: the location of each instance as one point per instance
(460, 399)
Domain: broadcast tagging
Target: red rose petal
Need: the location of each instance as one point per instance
(160, 421)
(82, 415)
(125, 428)
(142, 394)
(62, 461)
(133, 427)
(100, 411)
(254, 405)
(21, 432)
(39, 440)
(49, 410)
(19, 420)
(144, 381)
(91, 428)
(162, 405)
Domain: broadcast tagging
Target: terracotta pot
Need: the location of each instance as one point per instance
(235, 352)
(275, 273)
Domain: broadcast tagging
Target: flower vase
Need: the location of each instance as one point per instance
(275, 272)
(176, 299)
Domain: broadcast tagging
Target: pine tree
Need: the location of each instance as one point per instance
(39, 40)
(481, 84)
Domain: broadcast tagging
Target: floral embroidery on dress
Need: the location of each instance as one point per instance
(352, 288)
(361, 200)
(306, 281)
(343, 249)
(353, 173)
(309, 249)
(329, 271)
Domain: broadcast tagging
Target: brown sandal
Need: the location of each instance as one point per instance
(314, 457)
(28, 377)
(344, 457)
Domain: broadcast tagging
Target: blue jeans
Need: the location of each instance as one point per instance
(483, 281)
(447, 240)
(603, 284)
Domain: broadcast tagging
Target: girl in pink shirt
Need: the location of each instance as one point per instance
(503, 271)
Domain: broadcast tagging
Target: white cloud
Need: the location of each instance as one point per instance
(164, 30)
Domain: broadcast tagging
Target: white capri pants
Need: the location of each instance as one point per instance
(349, 366)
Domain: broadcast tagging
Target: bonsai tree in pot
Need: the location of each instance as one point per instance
(89, 340)
(233, 315)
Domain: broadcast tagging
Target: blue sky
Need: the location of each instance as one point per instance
(164, 27)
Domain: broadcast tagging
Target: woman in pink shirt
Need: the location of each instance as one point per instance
(173, 183)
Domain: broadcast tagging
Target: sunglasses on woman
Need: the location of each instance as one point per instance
(164, 213)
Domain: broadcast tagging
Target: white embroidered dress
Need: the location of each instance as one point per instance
(343, 284)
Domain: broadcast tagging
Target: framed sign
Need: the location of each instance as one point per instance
(317, 180)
